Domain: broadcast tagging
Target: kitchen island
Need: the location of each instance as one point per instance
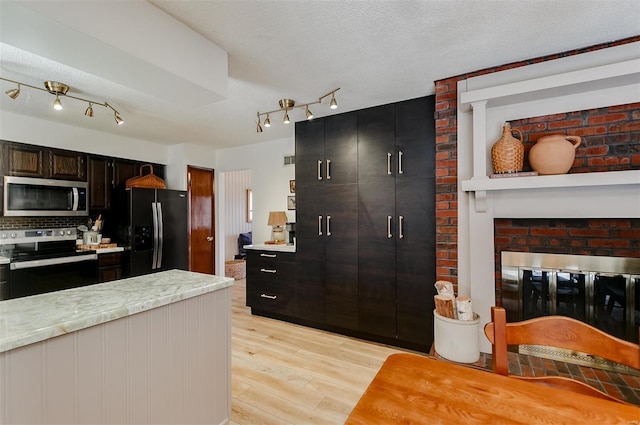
(148, 349)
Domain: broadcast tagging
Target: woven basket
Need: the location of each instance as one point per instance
(236, 269)
(507, 154)
(149, 181)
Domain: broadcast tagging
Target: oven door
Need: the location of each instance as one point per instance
(52, 274)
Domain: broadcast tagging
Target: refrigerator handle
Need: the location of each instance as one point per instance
(160, 234)
(154, 213)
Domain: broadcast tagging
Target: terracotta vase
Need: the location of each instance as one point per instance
(554, 154)
(507, 154)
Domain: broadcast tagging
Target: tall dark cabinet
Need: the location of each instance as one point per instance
(365, 222)
(326, 214)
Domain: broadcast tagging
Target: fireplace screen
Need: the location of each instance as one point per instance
(602, 291)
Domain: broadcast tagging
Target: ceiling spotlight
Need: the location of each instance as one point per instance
(57, 105)
(60, 89)
(13, 93)
(333, 104)
(267, 121)
(309, 113)
(286, 119)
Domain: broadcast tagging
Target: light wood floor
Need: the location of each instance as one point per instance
(288, 374)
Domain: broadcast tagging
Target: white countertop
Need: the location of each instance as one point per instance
(36, 318)
(271, 247)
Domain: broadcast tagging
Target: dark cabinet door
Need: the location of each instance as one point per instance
(100, 183)
(309, 154)
(341, 259)
(67, 165)
(341, 149)
(25, 160)
(123, 170)
(415, 260)
(377, 258)
(310, 252)
(376, 144)
(271, 282)
(415, 138)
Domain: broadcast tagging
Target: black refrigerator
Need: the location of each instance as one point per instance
(152, 225)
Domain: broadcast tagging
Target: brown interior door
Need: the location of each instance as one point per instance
(202, 219)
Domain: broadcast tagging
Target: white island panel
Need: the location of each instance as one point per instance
(151, 349)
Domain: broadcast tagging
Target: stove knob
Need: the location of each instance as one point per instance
(61, 232)
(3, 236)
(14, 235)
(69, 232)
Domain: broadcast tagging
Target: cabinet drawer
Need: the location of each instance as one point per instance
(276, 296)
(111, 259)
(269, 257)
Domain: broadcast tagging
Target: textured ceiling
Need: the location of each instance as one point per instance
(377, 52)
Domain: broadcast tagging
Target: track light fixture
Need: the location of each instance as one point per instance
(60, 90)
(287, 105)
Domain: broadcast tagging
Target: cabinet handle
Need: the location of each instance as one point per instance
(400, 231)
(319, 225)
(389, 235)
(271, 297)
(400, 170)
(268, 270)
(269, 255)
(389, 163)
(328, 173)
(319, 170)
(328, 224)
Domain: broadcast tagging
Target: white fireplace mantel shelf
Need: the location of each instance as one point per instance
(610, 178)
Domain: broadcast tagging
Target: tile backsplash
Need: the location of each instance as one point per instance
(10, 223)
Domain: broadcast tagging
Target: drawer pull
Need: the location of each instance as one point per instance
(269, 255)
(268, 270)
(271, 297)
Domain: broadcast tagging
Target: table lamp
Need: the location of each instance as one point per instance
(277, 220)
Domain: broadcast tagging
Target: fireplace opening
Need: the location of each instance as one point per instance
(601, 291)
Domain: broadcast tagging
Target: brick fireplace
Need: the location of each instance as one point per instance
(558, 223)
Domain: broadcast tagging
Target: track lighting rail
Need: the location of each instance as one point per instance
(60, 90)
(287, 105)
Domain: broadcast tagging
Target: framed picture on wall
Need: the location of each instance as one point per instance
(291, 202)
(292, 186)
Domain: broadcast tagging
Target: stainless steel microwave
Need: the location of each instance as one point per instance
(27, 196)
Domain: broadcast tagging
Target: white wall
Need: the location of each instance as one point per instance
(19, 128)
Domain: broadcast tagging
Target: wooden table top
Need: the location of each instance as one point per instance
(412, 389)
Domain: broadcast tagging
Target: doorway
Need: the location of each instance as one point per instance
(200, 183)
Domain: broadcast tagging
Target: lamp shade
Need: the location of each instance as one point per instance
(277, 218)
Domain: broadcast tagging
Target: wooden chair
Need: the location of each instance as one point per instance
(559, 332)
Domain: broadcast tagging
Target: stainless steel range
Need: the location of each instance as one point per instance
(45, 260)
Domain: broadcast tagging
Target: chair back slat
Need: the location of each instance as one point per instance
(556, 331)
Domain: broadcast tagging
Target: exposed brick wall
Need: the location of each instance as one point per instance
(446, 155)
(610, 136)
